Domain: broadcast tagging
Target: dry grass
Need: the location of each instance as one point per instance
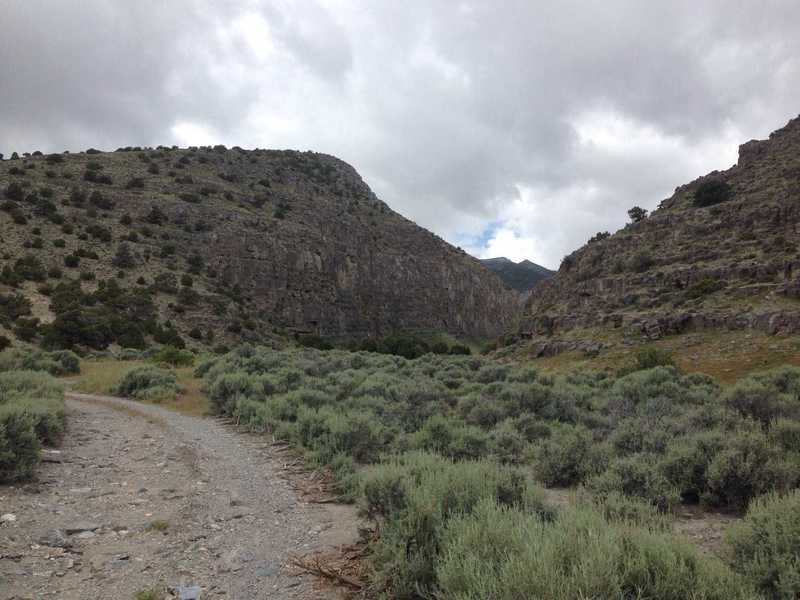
(725, 355)
(99, 376)
(191, 401)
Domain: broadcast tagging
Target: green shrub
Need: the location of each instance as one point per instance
(501, 553)
(785, 379)
(618, 508)
(99, 232)
(641, 262)
(452, 438)
(26, 329)
(650, 358)
(135, 183)
(68, 361)
(637, 477)
(15, 192)
(173, 356)
(785, 433)
(637, 214)
(29, 267)
(147, 383)
(567, 457)
(746, 467)
(124, 258)
(19, 446)
(225, 388)
(641, 443)
(686, 460)
(704, 287)
(155, 216)
(190, 197)
(12, 307)
(99, 200)
(331, 433)
(31, 413)
(712, 191)
(95, 176)
(508, 444)
(415, 495)
(761, 401)
(460, 349)
(54, 363)
(766, 545)
(168, 336)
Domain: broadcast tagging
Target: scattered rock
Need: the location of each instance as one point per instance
(55, 538)
(236, 558)
(268, 570)
(188, 592)
(80, 527)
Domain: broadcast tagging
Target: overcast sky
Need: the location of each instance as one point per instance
(516, 128)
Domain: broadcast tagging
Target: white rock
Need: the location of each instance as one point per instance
(8, 518)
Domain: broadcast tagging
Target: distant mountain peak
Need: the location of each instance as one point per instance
(521, 276)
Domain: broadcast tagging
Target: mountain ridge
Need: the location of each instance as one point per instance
(521, 276)
(244, 244)
(721, 252)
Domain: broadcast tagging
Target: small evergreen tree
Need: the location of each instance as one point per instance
(637, 214)
(712, 192)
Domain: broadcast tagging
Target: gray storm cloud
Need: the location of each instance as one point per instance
(517, 127)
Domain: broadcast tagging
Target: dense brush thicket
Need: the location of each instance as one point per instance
(31, 408)
(442, 451)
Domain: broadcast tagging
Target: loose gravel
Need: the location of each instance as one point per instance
(140, 498)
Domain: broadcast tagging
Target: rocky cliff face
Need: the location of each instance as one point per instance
(733, 264)
(297, 241)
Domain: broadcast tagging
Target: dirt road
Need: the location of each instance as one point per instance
(139, 497)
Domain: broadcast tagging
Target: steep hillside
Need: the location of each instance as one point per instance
(223, 244)
(721, 253)
(521, 276)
